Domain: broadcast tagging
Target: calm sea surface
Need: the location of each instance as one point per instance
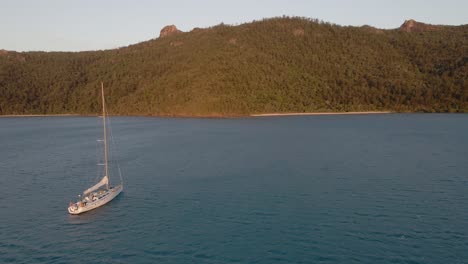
(311, 189)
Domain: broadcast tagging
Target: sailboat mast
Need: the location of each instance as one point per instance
(105, 134)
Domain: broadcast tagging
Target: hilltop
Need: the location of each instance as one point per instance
(273, 65)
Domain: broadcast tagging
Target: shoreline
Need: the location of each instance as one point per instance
(64, 115)
(323, 113)
(222, 116)
(212, 115)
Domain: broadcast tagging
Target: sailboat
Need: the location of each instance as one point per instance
(102, 192)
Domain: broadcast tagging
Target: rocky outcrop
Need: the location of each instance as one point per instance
(415, 26)
(12, 55)
(298, 32)
(176, 43)
(232, 41)
(169, 31)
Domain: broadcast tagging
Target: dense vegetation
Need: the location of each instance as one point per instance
(273, 65)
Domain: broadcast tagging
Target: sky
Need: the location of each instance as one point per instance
(65, 25)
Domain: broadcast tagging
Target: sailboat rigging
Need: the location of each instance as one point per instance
(96, 195)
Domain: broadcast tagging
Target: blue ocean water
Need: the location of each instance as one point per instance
(310, 189)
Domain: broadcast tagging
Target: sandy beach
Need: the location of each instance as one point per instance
(323, 113)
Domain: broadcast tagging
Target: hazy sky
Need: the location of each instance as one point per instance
(66, 25)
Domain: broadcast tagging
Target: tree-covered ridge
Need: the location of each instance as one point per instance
(273, 65)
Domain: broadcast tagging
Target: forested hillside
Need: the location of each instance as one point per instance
(274, 65)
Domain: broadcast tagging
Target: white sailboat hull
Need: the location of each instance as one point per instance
(105, 198)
